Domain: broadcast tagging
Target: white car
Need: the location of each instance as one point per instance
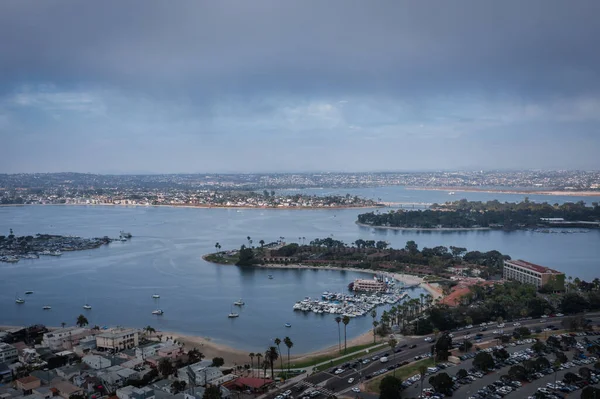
(501, 325)
(469, 326)
(350, 380)
(287, 393)
(517, 324)
(355, 389)
(428, 339)
(339, 371)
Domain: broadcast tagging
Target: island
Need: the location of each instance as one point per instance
(14, 248)
(465, 214)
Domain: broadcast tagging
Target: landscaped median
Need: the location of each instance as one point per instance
(325, 361)
(402, 373)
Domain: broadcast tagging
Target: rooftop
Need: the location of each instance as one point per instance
(533, 266)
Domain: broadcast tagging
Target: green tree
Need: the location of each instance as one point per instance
(288, 342)
(483, 361)
(271, 355)
(194, 356)
(217, 362)
(442, 382)
(389, 388)
(345, 320)
(165, 367)
(82, 321)
(246, 257)
(462, 373)
(393, 343)
(278, 342)
(212, 392)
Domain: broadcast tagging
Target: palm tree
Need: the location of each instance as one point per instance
(82, 321)
(374, 315)
(265, 366)
(63, 324)
(252, 362)
(288, 342)
(338, 319)
(149, 330)
(277, 342)
(345, 320)
(422, 371)
(393, 343)
(375, 324)
(271, 355)
(262, 243)
(258, 356)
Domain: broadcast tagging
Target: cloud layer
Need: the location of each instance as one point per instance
(156, 86)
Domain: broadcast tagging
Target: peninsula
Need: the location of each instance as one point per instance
(14, 248)
(465, 214)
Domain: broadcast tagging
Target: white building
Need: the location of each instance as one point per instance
(117, 339)
(64, 338)
(96, 362)
(8, 353)
(199, 373)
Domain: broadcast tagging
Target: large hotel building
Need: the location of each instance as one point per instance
(529, 273)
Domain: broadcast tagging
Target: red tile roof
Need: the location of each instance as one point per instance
(533, 266)
(28, 379)
(255, 383)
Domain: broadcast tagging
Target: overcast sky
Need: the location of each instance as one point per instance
(264, 86)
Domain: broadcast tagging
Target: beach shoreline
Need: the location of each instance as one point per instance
(425, 228)
(208, 206)
(509, 191)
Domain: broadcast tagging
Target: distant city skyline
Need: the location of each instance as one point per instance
(129, 88)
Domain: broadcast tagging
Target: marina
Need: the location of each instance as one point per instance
(355, 305)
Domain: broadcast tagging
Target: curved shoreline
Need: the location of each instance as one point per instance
(210, 206)
(425, 228)
(509, 191)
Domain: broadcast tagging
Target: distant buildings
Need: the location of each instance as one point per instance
(117, 339)
(529, 273)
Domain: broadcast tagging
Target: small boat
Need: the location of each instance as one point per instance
(155, 296)
(270, 277)
(232, 314)
(28, 292)
(47, 307)
(158, 312)
(288, 325)
(239, 303)
(87, 307)
(19, 300)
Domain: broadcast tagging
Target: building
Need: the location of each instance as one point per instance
(369, 285)
(199, 373)
(117, 339)
(96, 362)
(65, 389)
(28, 383)
(530, 273)
(8, 353)
(131, 392)
(64, 338)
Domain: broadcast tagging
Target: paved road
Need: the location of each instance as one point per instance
(329, 383)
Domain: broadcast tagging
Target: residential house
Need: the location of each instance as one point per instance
(8, 353)
(199, 374)
(26, 384)
(65, 389)
(64, 338)
(96, 362)
(117, 339)
(69, 371)
(131, 392)
(43, 392)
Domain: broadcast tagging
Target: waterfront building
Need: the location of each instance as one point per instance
(64, 338)
(8, 353)
(117, 339)
(369, 285)
(530, 273)
(199, 373)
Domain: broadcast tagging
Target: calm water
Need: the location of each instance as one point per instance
(165, 257)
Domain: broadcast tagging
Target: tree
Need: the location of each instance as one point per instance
(288, 342)
(63, 324)
(149, 330)
(82, 321)
(483, 361)
(389, 388)
(194, 356)
(178, 386)
(217, 362)
(166, 367)
(345, 320)
(538, 347)
(590, 392)
(442, 382)
(442, 347)
(462, 373)
(246, 256)
(252, 362)
(374, 315)
(271, 355)
(277, 342)
(262, 243)
(338, 319)
(585, 373)
(412, 247)
(212, 392)
(517, 372)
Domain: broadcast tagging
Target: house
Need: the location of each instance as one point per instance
(254, 384)
(131, 392)
(69, 371)
(65, 389)
(29, 356)
(26, 384)
(8, 353)
(64, 338)
(199, 373)
(45, 376)
(43, 392)
(96, 362)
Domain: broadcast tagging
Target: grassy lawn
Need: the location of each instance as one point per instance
(353, 352)
(221, 259)
(401, 373)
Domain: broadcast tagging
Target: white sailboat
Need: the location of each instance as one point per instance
(19, 300)
(239, 303)
(232, 314)
(158, 311)
(87, 306)
(155, 296)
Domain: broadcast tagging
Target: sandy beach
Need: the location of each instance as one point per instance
(509, 191)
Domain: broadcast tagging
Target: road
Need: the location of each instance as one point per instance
(328, 383)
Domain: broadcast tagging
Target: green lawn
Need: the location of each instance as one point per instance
(353, 352)
(401, 373)
(221, 259)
